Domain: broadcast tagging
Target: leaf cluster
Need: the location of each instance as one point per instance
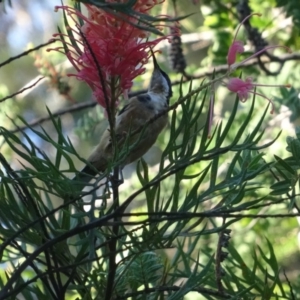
(67, 245)
(162, 238)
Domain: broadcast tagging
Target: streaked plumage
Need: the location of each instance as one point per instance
(133, 116)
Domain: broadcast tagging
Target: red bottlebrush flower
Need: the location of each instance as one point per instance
(111, 51)
(244, 88)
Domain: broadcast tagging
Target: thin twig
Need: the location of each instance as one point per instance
(73, 108)
(218, 267)
(208, 214)
(221, 256)
(26, 52)
(200, 290)
(22, 90)
(112, 245)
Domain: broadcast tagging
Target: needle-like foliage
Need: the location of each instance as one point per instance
(168, 232)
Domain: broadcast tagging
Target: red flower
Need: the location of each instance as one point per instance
(111, 51)
(237, 46)
(236, 85)
(244, 88)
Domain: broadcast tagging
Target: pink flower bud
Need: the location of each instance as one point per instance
(236, 47)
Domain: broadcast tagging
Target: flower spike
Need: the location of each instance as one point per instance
(108, 51)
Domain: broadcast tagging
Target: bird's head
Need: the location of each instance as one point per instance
(160, 83)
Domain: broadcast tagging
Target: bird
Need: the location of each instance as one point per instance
(133, 117)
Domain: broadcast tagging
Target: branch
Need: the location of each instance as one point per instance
(221, 255)
(22, 90)
(175, 288)
(112, 245)
(167, 216)
(73, 108)
(26, 52)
